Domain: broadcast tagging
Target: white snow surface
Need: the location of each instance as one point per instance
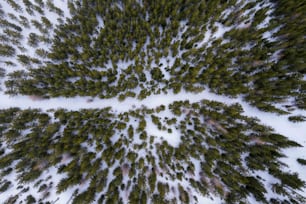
(281, 125)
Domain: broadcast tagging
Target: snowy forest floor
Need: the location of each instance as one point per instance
(280, 123)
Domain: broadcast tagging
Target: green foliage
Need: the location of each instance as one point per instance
(209, 136)
(4, 186)
(121, 126)
(157, 74)
(301, 161)
(142, 125)
(30, 199)
(297, 118)
(7, 50)
(23, 59)
(183, 195)
(27, 177)
(33, 40)
(132, 34)
(11, 199)
(151, 48)
(14, 5)
(88, 196)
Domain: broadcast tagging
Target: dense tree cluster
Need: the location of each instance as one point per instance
(111, 49)
(100, 148)
(252, 49)
(23, 28)
(301, 161)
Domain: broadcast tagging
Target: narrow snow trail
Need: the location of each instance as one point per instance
(77, 103)
(279, 123)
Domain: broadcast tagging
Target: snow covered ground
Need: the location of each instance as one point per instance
(281, 125)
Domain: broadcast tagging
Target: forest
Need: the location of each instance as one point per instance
(145, 48)
(134, 49)
(101, 150)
